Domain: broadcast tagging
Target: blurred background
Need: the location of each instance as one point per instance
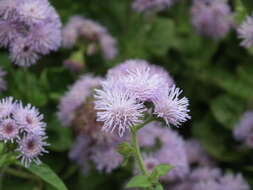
(215, 74)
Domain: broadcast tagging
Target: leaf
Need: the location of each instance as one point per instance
(48, 175)
(227, 110)
(159, 187)
(139, 181)
(161, 36)
(126, 150)
(241, 11)
(160, 170)
(248, 4)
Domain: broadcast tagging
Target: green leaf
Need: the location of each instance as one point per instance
(139, 181)
(241, 11)
(248, 4)
(126, 150)
(160, 170)
(227, 110)
(48, 175)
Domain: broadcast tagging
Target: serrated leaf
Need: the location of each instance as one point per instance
(139, 181)
(48, 175)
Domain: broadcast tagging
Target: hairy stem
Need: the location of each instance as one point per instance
(138, 152)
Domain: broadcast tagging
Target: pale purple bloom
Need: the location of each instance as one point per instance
(106, 159)
(212, 18)
(30, 148)
(245, 32)
(117, 109)
(150, 162)
(151, 6)
(243, 130)
(171, 108)
(173, 153)
(29, 119)
(29, 28)
(209, 184)
(7, 106)
(196, 153)
(205, 173)
(9, 130)
(75, 97)
(233, 182)
(93, 33)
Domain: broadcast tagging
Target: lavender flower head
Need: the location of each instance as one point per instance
(151, 6)
(29, 28)
(243, 130)
(245, 32)
(23, 124)
(120, 102)
(75, 97)
(212, 18)
(93, 34)
(117, 109)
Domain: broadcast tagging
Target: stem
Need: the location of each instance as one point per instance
(20, 174)
(137, 127)
(137, 152)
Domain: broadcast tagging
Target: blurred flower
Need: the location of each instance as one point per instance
(151, 6)
(7, 106)
(117, 109)
(245, 32)
(75, 97)
(212, 18)
(29, 28)
(172, 109)
(92, 34)
(30, 148)
(243, 130)
(196, 153)
(150, 162)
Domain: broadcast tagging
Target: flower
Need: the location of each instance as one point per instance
(245, 32)
(151, 6)
(29, 28)
(150, 162)
(233, 182)
(92, 33)
(172, 109)
(212, 18)
(75, 97)
(7, 106)
(30, 148)
(29, 119)
(117, 108)
(9, 130)
(243, 129)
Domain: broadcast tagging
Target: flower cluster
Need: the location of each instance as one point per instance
(23, 125)
(120, 103)
(212, 18)
(91, 32)
(212, 179)
(243, 131)
(245, 32)
(29, 28)
(172, 150)
(76, 109)
(151, 6)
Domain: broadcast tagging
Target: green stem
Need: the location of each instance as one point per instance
(20, 174)
(138, 152)
(137, 127)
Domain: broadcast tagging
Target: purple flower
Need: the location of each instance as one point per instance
(245, 32)
(7, 106)
(29, 119)
(151, 6)
(92, 33)
(196, 153)
(30, 148)
(9, 130)
(150, 162)
(233, 182)
(243, 129)
(205, 173)
(117, 109)
(75, 97)
(172, 109)
(29, 28)
(212, 18)
(106, 159)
